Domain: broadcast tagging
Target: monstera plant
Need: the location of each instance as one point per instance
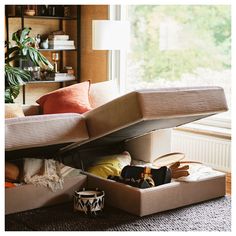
(24, 48)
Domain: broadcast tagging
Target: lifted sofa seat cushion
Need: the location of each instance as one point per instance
(140, 112)
(44, 130)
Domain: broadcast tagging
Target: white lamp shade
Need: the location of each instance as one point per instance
(110, 34)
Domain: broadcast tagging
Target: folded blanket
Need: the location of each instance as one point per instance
(47, 173)
(43, 172)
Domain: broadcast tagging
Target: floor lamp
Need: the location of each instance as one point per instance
(112, 35)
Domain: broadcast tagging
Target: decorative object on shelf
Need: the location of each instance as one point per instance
(44, 44)
(66, 11)
(42, 10)
(37, 41)
(55, 59)
(23, 49)
(51, 10)
(30, 10)
(69, 70)
(89, 201)
(34, 72)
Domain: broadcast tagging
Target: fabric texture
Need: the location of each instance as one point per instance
(102, 92)
(110, 165)
(43, 172)
(13, 110)
(160, 198)
(140, 112)
(44, 130)
(71, 99)
(197, 172)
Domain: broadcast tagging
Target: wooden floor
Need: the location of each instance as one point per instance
(228, 183)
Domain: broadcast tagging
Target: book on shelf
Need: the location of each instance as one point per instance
(58, 37)
(60, 77)
(62, 47)
(61, 42)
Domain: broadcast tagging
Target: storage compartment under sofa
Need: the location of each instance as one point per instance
(28, 196)
(143, 202)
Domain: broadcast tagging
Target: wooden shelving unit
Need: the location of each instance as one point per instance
(41, 21)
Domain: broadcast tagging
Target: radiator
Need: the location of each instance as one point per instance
(213, 151)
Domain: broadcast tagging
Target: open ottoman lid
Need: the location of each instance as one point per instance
(143, 111)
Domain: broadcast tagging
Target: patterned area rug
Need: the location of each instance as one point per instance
(214, 215)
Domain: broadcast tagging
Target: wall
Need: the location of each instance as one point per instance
(94, 64)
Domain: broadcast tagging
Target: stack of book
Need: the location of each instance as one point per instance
(60, 42)
(60, 77)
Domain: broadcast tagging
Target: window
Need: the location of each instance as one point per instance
(178, 45)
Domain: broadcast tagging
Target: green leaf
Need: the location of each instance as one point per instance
(8, 97)
(11, 50)
(15, 37)
(24, 33)
(27, 41)
(24, 51)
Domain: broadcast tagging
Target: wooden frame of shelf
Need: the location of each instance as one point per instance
(46, 17)
(61, 24)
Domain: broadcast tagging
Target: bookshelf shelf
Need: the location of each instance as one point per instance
(54, 50)
(46, 17)
(49, 81)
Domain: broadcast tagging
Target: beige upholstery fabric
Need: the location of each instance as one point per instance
(150, 146)
(31, 110)
(125, 117)
(13, 110)
(44, 130)
(28, 196)
(179, 105)
(101, 93)
(143, 202)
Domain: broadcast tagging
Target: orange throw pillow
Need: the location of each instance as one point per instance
(71, 99)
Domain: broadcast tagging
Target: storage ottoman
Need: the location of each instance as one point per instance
(29, 196)
(143, 202)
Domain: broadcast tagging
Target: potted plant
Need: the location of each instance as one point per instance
(24, 48)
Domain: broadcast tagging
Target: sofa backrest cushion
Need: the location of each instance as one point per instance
(99, 94)
(103, 92)
(13, 110)
(71, 99)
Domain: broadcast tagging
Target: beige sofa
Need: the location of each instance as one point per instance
(113, 120)
(129, 119)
